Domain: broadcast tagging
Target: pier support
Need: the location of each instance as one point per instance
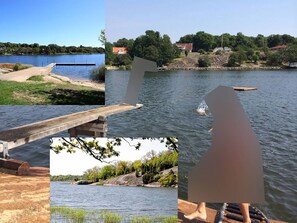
(97, 128)
(4, 148)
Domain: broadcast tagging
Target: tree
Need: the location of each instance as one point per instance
(290, 54)
(203, 41)
(186, 39)
(274, 40)
(275, 59)
(107, 172)
(109, 56)
(153, 46)
(102, 38)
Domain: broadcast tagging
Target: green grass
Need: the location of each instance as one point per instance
(35, 78)
(16, 93)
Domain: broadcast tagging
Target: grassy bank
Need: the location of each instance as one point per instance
(104, 216)
(35, 93)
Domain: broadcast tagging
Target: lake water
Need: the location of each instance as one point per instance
(126, 201)
(170, 101)
(73, 72)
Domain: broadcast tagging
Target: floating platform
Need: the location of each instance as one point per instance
(75, 64)
(186, 207)
(244, 88)
(28, 133)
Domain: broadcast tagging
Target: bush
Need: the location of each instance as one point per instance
(148, 178)
(201, 51)
(19, 66)
(98, 74)
(232, 61)
(168, 180)
(275, 59)
(204, 62)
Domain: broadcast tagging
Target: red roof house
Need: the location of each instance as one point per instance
(185, 46)
(278, 47)
(119, 50)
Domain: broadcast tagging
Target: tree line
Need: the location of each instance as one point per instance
(153, 46)
(51, 49)
(149, 168)
(205, 41)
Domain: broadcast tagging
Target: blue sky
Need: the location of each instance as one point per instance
(63, 22)
(130, 18)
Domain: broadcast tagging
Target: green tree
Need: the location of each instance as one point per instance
(203, 41)
(153, 46)
(275, 59)
(107, 172)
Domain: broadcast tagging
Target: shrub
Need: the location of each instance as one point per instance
(19, 66)
(148, 178)
(204, 62)
(275, 59)
(232, 61)
(168, 180)
(201, 51)
(98, 74)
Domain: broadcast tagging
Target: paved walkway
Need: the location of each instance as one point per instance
(23, 75)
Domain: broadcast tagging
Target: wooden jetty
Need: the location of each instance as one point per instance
(186, 207)
(244, 88)
(91, 122)
(75, 64)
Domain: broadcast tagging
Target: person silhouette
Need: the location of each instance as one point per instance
(231, 170)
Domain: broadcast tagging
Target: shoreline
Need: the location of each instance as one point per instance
(113, 68)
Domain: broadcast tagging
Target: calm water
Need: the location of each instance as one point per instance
(73, 72)
(171, 98)
(126, 201)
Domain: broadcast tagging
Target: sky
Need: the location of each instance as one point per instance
(62, 22)
(78, 162)
(176, 18)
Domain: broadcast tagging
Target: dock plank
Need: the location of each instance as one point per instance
(28, 133)
(186, 207)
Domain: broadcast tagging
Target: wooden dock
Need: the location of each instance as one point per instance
(75, 64)
(186, 207)
(28, 133)
(244, 88)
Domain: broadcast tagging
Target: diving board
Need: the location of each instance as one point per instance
(18, 136)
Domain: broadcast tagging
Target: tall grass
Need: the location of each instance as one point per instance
(98, 74)
(81, 216)
(109, 217)
(75, 215)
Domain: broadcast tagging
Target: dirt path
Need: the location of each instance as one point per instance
(23, 75)
(25, 198)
